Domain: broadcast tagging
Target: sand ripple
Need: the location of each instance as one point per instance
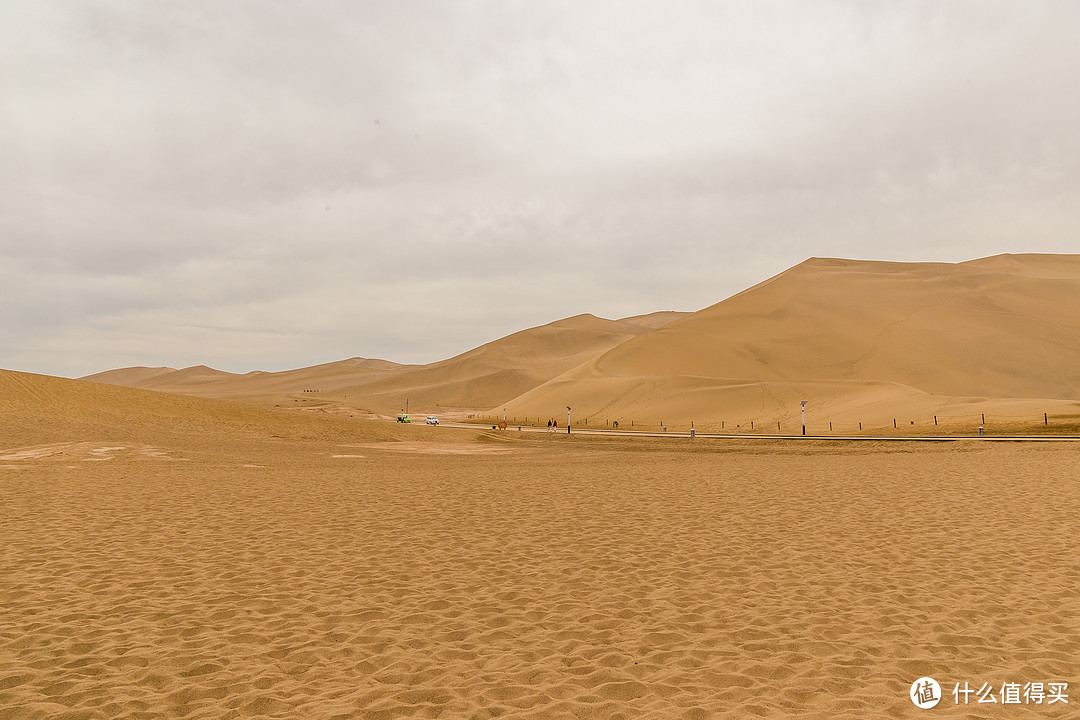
(589, 585)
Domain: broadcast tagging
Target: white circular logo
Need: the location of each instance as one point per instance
(925, 692)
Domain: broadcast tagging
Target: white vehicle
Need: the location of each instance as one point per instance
(432, 420)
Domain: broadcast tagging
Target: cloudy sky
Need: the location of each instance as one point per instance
(256, 184)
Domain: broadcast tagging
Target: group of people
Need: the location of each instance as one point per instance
(553, 425)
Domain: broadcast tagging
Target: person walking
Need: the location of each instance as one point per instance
(549, 424)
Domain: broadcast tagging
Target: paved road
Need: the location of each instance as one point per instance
(733, 436)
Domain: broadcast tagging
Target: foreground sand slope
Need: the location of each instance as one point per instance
(37, 409)
(860, 340)
(211, 560)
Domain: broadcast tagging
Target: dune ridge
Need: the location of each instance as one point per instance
(862, 341)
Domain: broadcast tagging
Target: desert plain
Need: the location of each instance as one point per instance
(165, 556)
(198, 544)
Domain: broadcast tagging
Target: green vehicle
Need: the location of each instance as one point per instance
(403, 418)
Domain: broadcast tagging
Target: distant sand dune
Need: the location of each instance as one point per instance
(880, 346)
(862, 341)
(208, 382)
(494, 372)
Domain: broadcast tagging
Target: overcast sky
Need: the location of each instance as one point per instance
(269, 185)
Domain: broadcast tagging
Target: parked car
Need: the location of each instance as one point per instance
(403, 417)
(432, 420)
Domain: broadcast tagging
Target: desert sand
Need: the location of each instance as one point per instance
(169, 556)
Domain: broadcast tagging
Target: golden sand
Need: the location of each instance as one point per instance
(227, 572)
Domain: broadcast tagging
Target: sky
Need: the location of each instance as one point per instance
(262, 184)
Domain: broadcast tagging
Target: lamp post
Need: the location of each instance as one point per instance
(803, 403)
(567, 419)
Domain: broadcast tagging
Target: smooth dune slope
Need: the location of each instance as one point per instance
(856, 338)
(129, 376)
(656, 319)
(502, 369)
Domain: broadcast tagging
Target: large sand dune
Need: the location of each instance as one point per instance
(862, 341)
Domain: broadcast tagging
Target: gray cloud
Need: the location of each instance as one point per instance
(253, 185)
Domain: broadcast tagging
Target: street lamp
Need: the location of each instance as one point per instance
(803, 403)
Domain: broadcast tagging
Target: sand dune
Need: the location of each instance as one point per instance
(998, 327)
(257, 385)
(656, 319)
(867, 341)
(876, 346)
(499, 370)
(130, 377)
(169, 556)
